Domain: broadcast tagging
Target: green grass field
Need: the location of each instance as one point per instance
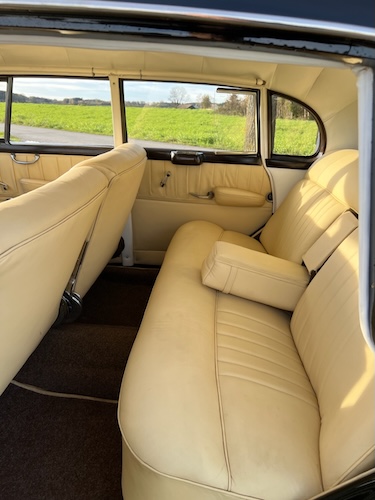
(88, 119)
(192, 127)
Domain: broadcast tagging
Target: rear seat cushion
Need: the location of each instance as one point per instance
(202, 399)
(226, 398)
(242, 240)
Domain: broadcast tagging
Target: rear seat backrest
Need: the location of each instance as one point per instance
(42, 233)
(329, 188)
(124, 167)
(340, 365)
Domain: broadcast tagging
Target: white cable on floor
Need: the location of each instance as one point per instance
(38, 390)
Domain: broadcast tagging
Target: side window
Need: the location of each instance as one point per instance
(295, 130)
(191, 116)
(61, 111)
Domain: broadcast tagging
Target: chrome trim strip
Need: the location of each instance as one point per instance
(161, 10)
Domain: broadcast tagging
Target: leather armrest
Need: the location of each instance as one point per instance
(233, 197)
(254, 275)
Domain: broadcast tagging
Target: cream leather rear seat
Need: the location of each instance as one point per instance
(329, 188)
(42, 233)
(227, 398)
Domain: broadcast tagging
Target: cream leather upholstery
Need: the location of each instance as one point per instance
(123, 167)
(329, 188)
(340, 366)
(158, 212)
(24, 177)
(276, 282)
(225, 398)
(325, 245)
(42, 235)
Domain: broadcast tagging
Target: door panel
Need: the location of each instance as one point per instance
(160, 210)
(21, 178)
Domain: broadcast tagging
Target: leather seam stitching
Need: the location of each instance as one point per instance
(305, 388)
(56, 225)
(220, 403)
(263, 358)
(276, 389)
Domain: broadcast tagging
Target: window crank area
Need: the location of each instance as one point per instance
(164, 180)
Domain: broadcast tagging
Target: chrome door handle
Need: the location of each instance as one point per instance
(36, 158)
(207, 196)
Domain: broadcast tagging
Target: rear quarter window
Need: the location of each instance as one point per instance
(296, 131)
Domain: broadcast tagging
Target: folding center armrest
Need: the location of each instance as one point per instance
(254, 275)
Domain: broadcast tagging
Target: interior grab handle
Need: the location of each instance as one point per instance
(209, 196)
(193, 158)
(13, 156)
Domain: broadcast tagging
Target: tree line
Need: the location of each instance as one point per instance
(76, 101)
(178, 96)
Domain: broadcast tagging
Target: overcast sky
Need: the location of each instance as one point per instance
(59, 88)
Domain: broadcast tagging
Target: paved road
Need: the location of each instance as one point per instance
(51, 136)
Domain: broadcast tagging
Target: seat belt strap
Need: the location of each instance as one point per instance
(327, 243)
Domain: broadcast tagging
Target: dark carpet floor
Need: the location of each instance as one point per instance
(59, 449)
(119, 296)
(87, 359)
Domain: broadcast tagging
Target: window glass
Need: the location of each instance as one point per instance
(191, 116)
(67, 111)
(3, 91)
(294, 128)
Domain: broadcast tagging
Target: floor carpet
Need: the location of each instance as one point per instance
(119, 296)
(80, 358)
(60, 448)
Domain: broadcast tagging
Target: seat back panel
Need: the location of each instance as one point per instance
(329, 189)
(124, 167)
(340, 365)
(44, 231)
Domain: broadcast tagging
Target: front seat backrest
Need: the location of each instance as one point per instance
(42, 233)
(124, 167)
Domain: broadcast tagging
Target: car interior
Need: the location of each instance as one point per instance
(186, 260)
